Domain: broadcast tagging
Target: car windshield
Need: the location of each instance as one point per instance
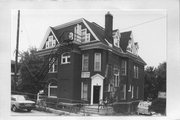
(20, 98)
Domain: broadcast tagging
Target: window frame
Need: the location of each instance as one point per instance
(53, 66)
(85, 67)
(66, 58)
(132, 91)
(97, 61)
(49, 89)
(83, 92)
(136, 71)
(124, 92)
(123, 67)
(50, 40)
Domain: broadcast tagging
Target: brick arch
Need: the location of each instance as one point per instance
(50, 80)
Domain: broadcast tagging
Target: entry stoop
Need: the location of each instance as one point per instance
(93, 109)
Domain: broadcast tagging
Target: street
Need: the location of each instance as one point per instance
(32, 113)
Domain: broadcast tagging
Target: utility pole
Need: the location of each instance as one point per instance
(17, 46)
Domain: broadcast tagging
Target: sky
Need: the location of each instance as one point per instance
(148, 27)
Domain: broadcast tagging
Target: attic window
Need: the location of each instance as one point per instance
(85, 37)
(50, 42)
(116, 38)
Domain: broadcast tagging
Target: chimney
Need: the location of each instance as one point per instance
(108, 27)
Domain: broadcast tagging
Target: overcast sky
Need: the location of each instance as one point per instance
(148, 27)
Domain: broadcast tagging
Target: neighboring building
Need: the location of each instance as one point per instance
(98, 63)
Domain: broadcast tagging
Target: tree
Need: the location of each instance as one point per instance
(155, 80)
(161, 76)
(31, 65)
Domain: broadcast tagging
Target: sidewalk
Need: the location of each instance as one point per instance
(65, 113)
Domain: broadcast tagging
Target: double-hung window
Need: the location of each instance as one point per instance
(132, 92)
(84, 91)
(136, 71)
(65, 58)
(97, 62)
(51, 42)
(116, 76)
(52, 90)
(85, 62)
(123, 92)
(53, 65)
(123, 67)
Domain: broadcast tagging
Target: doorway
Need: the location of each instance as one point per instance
(96, 94)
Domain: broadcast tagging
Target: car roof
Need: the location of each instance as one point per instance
(16, 95)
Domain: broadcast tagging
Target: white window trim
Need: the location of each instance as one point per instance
(125, 68)
(53, 66)
(82, 91)
(136, 72)
(66, 58)
(95, 62)
(49, 87)
(83, 62)
(132, 92)
(50, 40)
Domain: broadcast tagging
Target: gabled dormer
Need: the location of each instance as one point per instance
(132, 46)
(50, 40)
(116, 38)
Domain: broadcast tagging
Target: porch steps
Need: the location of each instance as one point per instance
(94, 110)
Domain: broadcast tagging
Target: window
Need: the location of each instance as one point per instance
(123, 92)
(97, 62)
(116, 41)
(137, 92)
(116, 76)
(77, 33)
(53, 65)
(52, 90)
(123, 67)
(50, 42)
(85, 36)
(136, 71)
(85, 62)
(84, 91)
(132, 93)
(65, 58)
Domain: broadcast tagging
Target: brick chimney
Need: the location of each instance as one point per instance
(108, 27)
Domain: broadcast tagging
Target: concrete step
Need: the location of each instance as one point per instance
(94, 110)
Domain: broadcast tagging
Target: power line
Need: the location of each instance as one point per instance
(144, 23)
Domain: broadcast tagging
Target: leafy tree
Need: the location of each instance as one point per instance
(155, 80)
(31, 64)
(161, 76)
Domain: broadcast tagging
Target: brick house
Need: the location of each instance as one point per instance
(93, 63)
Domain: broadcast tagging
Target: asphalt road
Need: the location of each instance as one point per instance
(32, 113)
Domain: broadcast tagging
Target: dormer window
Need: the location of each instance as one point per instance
(85, 36)
(116, 38)
(50, 42)
(80, 34)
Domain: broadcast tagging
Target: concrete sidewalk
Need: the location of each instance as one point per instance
(65, 113)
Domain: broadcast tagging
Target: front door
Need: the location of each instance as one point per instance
(96, 94)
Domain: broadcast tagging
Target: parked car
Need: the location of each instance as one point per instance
(144, 108)
(20, 102)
